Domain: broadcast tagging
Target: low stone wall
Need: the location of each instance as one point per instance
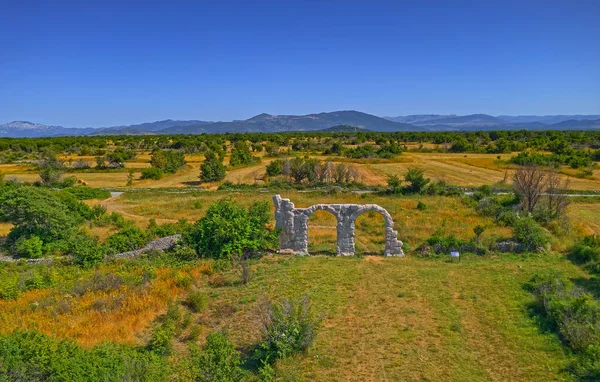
(162, 244)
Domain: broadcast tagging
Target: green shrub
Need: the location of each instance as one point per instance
(168, 161)
(289, 327)
(416, 181)
(33, 356)
(587, 250)
(152, 173)
(87, 193)
(160, 339)
(575, 315)
(183, 253)
(128, 239)
(212, 168)
(219, 361)
(421, 206)
(48, 214)
(86, 251)
(29, 247)
(530, 234)
(229, 229)
(197, 301)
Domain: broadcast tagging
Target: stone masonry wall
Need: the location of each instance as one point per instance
(293, 223)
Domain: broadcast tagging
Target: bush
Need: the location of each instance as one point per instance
(87, 193)
(416, 181)
(530, 234)
(289, 327)
(574, 313)
(128, 239)
(229, 229)
(212, 168)
(152, 173)
(86, 251)
(587, 250)
(33, 356)
(42, 212)
(197, 301)
(168, 161)
(421, 206)
(219, 361)
(29, 247)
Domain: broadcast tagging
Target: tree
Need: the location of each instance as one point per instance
(557, 199)
(240, 154)
(169, 161)
(416, 180)
(529, 183)
(130, 178)
(51, 168)
(212, 168)
(41, 212)
(229, 229)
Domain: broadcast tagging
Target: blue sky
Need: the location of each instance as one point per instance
(84, 63)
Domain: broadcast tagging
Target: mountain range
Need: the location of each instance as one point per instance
(267, 123)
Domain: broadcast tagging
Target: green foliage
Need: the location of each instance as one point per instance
(51, 168)
(241, 155)
(575, 315)
(274, 168)
(197, 301)
(42, 212)
(152, 173)
(395, 184)
(416, 181)
(87, 193)
(117, 157)
(86, 251)
(587, 249)
(218, 361)
(33, 356)
(229, 229)
(29, 247)
(212, 168)
(168, 161)
(528, 233)
(127, 239)
(421, 206)
(289, 327)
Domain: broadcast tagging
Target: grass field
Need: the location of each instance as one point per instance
(468, 170)
(382, 319)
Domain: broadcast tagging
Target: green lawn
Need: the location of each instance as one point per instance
(406, 319)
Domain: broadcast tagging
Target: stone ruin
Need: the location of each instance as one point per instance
(293, 223)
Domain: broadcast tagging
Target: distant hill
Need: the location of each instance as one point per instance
(265, 123)
(420, 118)
(24, 129)
(547, 119)
(343, 129)
(336, 121)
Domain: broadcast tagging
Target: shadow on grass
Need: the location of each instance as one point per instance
(192, 183)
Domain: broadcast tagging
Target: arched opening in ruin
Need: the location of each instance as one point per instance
(322, 233)
(369, 233)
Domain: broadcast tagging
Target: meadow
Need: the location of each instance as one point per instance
(423, 317)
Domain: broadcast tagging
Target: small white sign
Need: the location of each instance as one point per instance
(454, 254)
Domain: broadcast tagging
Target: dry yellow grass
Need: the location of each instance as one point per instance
(82, 317)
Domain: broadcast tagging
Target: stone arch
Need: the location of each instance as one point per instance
(293, 223)
(327, 208)
(389, 223)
